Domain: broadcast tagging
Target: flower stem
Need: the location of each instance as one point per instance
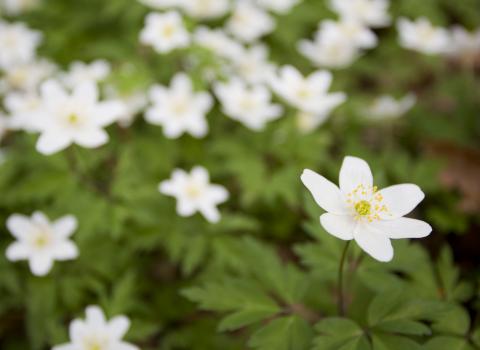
(341, 301)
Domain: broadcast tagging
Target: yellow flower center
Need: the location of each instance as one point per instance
(363, 208)
(41, 239)
(193, 191)
(366, 203)
(73, 119)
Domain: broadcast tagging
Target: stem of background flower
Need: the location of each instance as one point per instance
(341, 301)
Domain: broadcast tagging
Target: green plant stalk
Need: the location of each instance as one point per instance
(341, 297)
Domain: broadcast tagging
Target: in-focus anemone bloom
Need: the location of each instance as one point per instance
(40, 241)
(251, 106)
(308, 94)
(77, 118)
(18, 44)
(422, 36)
(358, 210)
(96, 333)
(194, 193)
(165, 32)
(373, 13)
(179, 109)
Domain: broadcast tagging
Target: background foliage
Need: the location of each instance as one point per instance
(264, 277)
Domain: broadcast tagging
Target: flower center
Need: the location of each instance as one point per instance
(366, 203)
(41, 239)
(73, 119)
(168, 30)
(193, 191)
(363, 207)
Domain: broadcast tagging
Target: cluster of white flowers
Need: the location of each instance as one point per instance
(337, 44)
(422, 36)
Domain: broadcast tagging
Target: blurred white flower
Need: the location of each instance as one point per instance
(194, 193)
(16, 7)
(422, 36)
(96, 333)
(325, 52)
(278, 6)
(80, 72)
(179, 109)
(161, 4)
(357, 210)
(249, 22)
(26, 76)
(23, 109)
(308, 94)
(464, 44)
(205, 9)
(252, 65)
(387, 107)
(218, 42)
(134, 103)
(251, 106)
(74, 118)
(40, 241)
(307, 122)
(165, 32)
(350, 31)
(373, 13)
(18, 44)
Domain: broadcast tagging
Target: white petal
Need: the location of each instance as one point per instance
(185, 207)
(91, 138)
(118, 327)
(95, 317)
(108, 112)
(354, 172)
(40, 265)
(65, 347)
(400, 199)
(19, 225)
(65, 226)
(53, 142)
(217, 194)
(125, 346)
(376, 244)
(326, 194)
(40, 219)
(200, 175)
(210, 212)
(87, 93)
(65, 251)
(340, 226)
(77, 331)
(17, 251)
(403, 228)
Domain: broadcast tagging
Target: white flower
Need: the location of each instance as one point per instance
(218, 42)
(205, 9)
(422, 36)
(387, 107)
(74, 118)
(18, 44)
(194, 193)
(350, 31)
(253, 66)
(357, 210)
(162, 4)
(329, 52)
(308, 94)
(16, 7)
(134, 103)
(40, 241)
(463, 43)
(249, 105)
(373, 13)
(249, 22)
(278, 6)
(179, 109)
(27, 76)
(23, 109)
(165, 32)
(307, 122)
(96, 333)
(80, 72)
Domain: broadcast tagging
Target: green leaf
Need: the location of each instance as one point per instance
(340, 333)
(288, 333)
(447, 343)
